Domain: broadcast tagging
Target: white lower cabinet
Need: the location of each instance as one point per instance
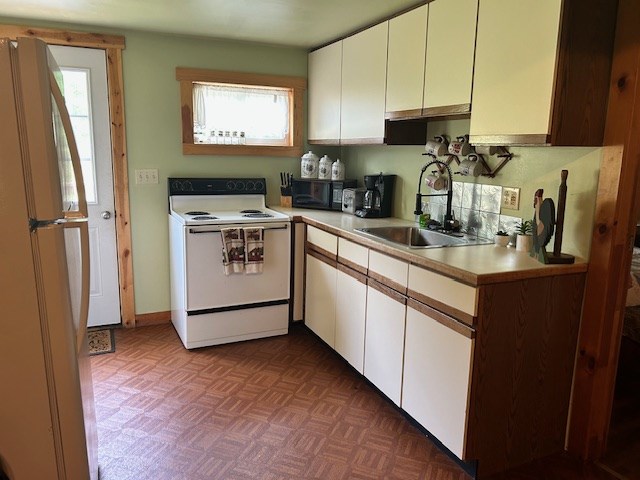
(384, 339)
(320, 299)
(351, 306)
(437, 369)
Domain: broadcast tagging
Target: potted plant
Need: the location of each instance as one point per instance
(501, 238)
(523, 237)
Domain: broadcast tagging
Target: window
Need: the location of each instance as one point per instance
(77, 100)
(230, 113)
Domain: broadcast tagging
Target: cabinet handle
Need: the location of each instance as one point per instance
(442, 318)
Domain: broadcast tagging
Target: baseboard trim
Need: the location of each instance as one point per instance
(154, 318)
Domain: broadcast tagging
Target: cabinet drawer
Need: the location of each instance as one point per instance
(353, 255)
(326, 243)
(388, 271)
(443, 293)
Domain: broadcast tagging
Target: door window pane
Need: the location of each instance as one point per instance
(78, 101)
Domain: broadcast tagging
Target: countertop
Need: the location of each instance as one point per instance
(474, 264)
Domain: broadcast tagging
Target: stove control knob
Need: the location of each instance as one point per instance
(177, 186)
(231, 186)
(188, 186)
(251, 186)
(240, 186)
(259, 185)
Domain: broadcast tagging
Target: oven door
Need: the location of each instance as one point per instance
(207, 287)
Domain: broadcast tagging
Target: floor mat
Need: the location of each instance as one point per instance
(101, 341)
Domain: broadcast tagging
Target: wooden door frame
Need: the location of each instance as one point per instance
(617, 208)
(113, 46)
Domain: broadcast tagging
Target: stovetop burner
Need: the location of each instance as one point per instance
(250, 211)
(197, 212)
(257, 215)
(205, 217)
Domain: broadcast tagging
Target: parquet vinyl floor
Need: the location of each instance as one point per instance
(273, 409)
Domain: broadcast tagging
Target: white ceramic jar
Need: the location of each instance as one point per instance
(337, 170)
(309, 165)
(324, 168)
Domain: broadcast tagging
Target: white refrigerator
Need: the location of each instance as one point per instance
(47, 413)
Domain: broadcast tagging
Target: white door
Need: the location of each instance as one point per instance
(86, 96)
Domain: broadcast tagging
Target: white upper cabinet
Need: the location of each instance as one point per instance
(364, 75)
(405, 62)
(451, 38)
(533, 82)
(325, 85)
(516, 49)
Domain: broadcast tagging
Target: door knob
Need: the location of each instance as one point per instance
(106, 215)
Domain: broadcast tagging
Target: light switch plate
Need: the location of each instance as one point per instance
(510, 198)
(146, 176)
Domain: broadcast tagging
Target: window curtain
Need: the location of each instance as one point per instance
(261, 113)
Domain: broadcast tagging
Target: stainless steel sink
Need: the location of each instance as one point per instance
(414, 237)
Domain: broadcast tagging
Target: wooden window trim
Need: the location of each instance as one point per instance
(186, 77)
(113, 46)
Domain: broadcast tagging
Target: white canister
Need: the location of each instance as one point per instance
(337, 170)
(324, 168)
(309, 165)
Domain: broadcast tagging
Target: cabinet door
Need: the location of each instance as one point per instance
(405, 62)
(515, 65)
(451, 41)
(320, 299)
(384, 340)
(437, 368)
(351, 304)
(364, 75)
(325, 80)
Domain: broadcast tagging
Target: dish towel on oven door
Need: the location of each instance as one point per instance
(232, 250)
(253, 249)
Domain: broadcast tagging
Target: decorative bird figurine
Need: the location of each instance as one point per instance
(543, 221)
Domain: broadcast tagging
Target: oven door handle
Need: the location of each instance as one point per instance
(218, 229)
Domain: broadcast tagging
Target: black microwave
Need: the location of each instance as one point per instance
(321, 194)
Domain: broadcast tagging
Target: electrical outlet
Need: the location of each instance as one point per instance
(510, 198)
(146, 176)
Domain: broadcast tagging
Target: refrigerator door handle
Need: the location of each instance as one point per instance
(73, 149)
(83, 320)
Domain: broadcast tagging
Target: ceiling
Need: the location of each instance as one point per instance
(298, 23)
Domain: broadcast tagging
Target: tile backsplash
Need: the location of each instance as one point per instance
(477, 207)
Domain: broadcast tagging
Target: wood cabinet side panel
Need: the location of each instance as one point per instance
(447, 53)
(523, 368)
(325, 84)
(516, 52)
(582, 83)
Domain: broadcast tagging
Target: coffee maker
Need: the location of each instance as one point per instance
(378, 197)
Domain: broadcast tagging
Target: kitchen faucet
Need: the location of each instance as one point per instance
(449, 223)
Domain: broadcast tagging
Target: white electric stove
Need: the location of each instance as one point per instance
(207, 306)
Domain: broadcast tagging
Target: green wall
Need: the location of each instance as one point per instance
(152, 103)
